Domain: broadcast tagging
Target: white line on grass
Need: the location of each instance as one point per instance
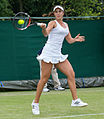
(81, 115)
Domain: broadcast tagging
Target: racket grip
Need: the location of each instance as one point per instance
(39, 24)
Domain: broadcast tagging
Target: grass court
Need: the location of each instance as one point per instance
(53, 104)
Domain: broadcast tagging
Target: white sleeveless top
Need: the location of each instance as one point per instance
(52, 50)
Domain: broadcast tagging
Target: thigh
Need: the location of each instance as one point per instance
(45, 69)
(66, 68)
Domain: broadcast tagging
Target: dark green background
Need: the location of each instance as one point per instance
(18, 50)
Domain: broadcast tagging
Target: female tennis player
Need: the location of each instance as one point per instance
(56, 31)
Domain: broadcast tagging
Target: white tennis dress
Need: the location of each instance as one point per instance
(52, 50)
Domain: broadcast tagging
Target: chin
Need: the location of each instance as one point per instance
(59, 18)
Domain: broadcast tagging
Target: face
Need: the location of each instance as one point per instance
(58, 13)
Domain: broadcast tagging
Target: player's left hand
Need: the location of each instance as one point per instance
(79, 38)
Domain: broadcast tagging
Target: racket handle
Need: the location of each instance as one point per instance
(39, 24)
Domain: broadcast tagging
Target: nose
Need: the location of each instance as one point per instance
(58, 13)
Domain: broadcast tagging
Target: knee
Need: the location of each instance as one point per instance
(44, 79)
(71, 75)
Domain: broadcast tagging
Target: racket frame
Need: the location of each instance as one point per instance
(29, 21)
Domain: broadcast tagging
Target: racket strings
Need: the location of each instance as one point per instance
(21, 16)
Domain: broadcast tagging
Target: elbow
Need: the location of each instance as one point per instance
(45, 35)
(69, 42)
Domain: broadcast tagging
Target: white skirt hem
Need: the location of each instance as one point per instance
(52, 60)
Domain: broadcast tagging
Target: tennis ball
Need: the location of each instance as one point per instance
(21, 21)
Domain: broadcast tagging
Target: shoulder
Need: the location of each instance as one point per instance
(52, 23)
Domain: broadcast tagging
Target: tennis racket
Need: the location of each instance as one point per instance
(22, 21)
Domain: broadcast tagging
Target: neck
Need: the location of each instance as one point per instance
(59, 20)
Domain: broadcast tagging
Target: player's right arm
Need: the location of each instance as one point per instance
(47, 30)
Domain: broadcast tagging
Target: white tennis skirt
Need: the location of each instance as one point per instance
(52, 59)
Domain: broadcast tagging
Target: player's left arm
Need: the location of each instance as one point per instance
(71, 40)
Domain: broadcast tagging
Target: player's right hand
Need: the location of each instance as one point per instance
(43, 26)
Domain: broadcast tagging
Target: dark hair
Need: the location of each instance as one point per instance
(50, 14)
